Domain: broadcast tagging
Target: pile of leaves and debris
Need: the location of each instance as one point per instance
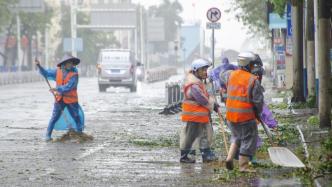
(74, 136)
(161, 141)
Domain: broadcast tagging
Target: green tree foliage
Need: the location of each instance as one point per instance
(279, 6)
(36, 21)
(32, 22)
(5, 13)
(252, 13)
(170, 12)
(93, 41)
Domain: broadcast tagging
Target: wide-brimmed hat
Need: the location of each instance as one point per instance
(67, 58)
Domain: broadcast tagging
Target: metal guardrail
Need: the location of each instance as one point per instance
(174, 97)
(159, 74)
(19, 77)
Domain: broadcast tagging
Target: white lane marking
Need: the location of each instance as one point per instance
(93, 150)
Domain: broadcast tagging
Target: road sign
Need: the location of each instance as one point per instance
(213, 25)
(213, 14)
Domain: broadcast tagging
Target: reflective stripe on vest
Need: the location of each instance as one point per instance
(191, 110)
(196, 113)
(249, 110)
(244, 99)
(71, 96)
(239, 107)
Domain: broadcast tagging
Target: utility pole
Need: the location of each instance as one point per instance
(73, 26)
(297, 16)
(142, 35)
(310, 47)
(212, 40)
(316, 50)
(136, 43)
(18, 36)
(324, 43)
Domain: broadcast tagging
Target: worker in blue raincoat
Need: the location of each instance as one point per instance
(65, 92)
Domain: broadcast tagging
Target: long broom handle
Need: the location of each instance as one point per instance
(221, 118)
(48, 83)
(266, 130)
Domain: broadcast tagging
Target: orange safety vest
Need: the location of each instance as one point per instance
(191, 110)
(239, 107)
(68, 97)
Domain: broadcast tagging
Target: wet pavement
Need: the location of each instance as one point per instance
(115, 119)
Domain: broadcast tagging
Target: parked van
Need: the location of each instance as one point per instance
(116, 67)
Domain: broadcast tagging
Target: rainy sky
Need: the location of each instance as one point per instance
(232, 33)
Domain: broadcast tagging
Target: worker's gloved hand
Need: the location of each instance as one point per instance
(216, 107)
(54, 91)
(37, 62)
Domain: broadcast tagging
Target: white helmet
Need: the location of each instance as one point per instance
(246, 58)
(199, 63)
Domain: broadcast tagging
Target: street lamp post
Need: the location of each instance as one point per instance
(184, 60)
(73, 26)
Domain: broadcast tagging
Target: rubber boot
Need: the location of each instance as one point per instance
(184, 157)
(192, 153)
(48, 137)
(208, 155)
(244, 164)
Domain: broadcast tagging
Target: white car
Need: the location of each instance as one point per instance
(117, 67)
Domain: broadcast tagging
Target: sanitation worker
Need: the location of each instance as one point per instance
(66, 77)
(266, 115)
(196, 107)
(244, 103)
(214, 76)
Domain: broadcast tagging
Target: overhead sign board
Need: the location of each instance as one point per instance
(213, 14)
(117, 15)
(213, 25)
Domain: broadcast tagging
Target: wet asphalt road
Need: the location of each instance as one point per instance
(113, 118)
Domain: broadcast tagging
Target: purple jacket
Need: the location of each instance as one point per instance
(215, 73)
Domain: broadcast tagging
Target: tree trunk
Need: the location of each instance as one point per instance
(310, 47)
(324, 41)
(297, 20)
(5, 53)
